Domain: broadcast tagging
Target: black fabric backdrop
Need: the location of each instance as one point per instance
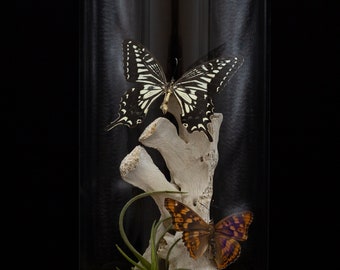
(189, 31)
(304, 139)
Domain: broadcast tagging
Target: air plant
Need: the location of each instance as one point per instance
(142, 263)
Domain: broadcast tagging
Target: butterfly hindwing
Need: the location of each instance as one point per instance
(226, 250)
(196, 116)
(196, 232)
(196, 241)
(134, 105)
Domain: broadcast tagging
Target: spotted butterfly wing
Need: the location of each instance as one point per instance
(228, 232)
(141, 67)
(134, 106)
(196, 232)
(192, 91)
(198, 235)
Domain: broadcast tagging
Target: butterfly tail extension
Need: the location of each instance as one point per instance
(200, 127)
(134, 105)
(210, 138)
(199, 118)
(113, 124)
(206, 132)
(123, 119)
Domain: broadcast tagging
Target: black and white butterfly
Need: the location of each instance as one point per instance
(192, 91)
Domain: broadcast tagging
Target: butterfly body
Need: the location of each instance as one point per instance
(168, 91)
(192, 90)
(222, 239)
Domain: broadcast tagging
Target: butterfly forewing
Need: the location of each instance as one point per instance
(211, 76)
(196, 232)
(235, 226)
(140, 65)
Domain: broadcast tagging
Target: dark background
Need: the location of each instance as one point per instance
(303, 141)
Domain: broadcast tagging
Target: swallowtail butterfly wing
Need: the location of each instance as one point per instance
(192, 91)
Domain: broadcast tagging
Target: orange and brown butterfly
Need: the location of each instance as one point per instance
(223, 237)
